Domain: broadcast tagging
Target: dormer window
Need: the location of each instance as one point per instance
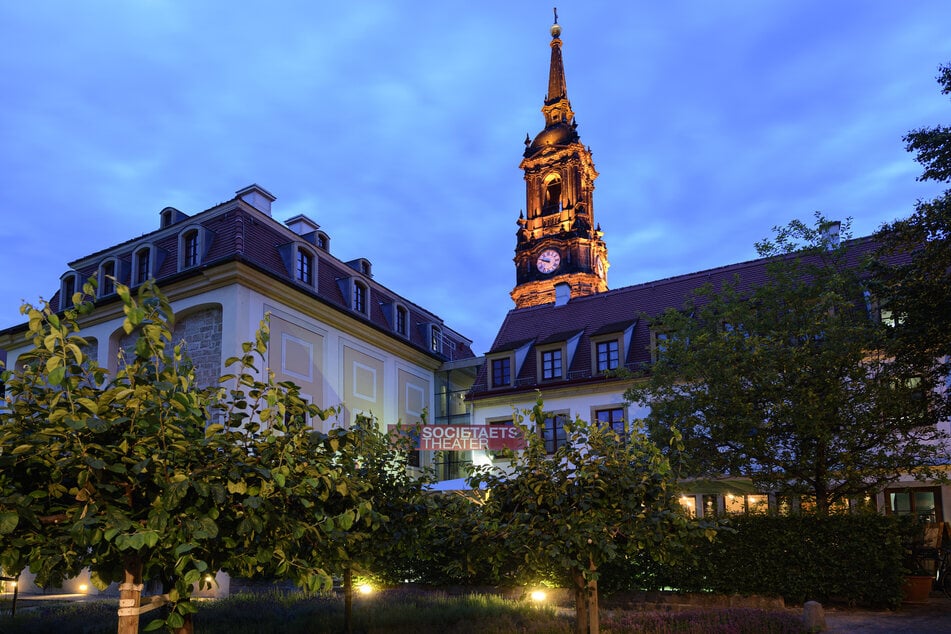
(68, 286)
(361, 297)
(322, 240)
(304, 270)
(501, 372)
(189, 244)
(142, 265)
(107, 278)
(551, 364)
(402, 321)
(435, 339)
(607, 355)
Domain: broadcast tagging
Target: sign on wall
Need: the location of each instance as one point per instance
(465, 437)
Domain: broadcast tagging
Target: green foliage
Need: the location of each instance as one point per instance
(142, 472)
(791, 383)
(562, 516)
(917, 290)
(855, 559)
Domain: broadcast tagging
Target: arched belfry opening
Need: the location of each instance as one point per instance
(552, 199)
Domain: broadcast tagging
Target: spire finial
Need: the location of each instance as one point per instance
(555, 29)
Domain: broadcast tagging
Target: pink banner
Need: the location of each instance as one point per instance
(465, 437)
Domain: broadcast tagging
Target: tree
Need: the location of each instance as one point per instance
(789, 383)
(387, 550)
(126, 474)
(598, 497)
(917, 289)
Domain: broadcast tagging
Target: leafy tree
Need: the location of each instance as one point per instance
(789, 383)
(597, 498)
(917, 290)
(123, 473)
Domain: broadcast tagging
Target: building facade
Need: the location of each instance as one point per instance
(335, 330)
(569, 336)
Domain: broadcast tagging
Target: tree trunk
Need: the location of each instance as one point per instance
(348, 601)
(130, 594)
(587, 620)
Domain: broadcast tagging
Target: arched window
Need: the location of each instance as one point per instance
(304, 269)
(107, 278)
(142, 265)
(361, 298)
(402, 321)
(69, 284)
(189, 247)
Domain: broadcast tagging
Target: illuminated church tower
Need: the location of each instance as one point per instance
(559, 253)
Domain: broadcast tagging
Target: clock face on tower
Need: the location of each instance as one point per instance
(548, 260)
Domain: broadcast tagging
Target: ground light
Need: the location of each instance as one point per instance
(538, 596)
(83, 587)
(365, 588)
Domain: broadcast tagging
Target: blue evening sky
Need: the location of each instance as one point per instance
(398, 127)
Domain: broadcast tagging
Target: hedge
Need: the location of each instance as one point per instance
(855, 559)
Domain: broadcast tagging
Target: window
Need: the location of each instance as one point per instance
(553, 432)
(924, 503)
(502, 372)
(189, 246)
(551, 364)
(609, 355)
(662, 342)
(402, 320)
(360, 297)
(552, 201)
(107, 275)
(689, 504)
(613, 417)
(435, 339)
(67, 290)
(143, 265)
(305, 267)
(749, 504)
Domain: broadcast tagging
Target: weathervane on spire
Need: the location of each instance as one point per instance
(555, 29)
(555, 9)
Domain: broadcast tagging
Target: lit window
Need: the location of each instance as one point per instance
(143, 266)
(553, 432)
(435, 341)
(551, 364)
(402, 319)
(305, 267)
(501, 372)
(613, 418)
(360, 298)
(190, 249)
(608, 355)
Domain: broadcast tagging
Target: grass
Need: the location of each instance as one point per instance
(399, 612)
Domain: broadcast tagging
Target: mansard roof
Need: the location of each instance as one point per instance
(242, 229)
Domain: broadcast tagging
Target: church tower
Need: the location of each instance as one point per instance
(559, 251)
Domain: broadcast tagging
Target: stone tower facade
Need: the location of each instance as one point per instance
(559, 251)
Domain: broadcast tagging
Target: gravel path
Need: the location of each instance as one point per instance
(933, 617)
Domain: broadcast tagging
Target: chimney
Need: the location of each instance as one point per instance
(257, 197)
(830, 234)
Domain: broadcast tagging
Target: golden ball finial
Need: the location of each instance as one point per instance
(555, 30)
